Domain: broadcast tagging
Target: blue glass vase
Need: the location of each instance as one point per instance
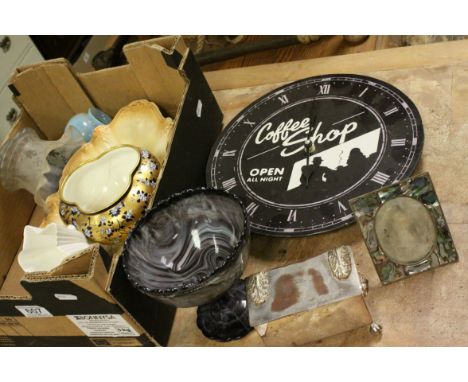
(85, 123)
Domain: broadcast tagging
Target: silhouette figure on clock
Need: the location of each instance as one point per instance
(356, 165)
(318, 176)
(314, 174)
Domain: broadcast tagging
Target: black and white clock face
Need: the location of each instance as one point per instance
(298, 154)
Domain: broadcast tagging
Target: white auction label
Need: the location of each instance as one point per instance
(103, 325)
(199, 108)
(33, 311)
(65, 297)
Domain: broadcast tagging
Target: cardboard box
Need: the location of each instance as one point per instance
(90, 301)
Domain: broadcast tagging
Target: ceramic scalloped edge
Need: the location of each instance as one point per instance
(138, 124)
(44, 249)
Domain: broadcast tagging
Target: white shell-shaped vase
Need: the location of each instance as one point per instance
(46, 248)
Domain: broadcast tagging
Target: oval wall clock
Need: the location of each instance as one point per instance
(299, 153)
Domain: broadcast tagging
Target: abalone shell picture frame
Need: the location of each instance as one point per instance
(420, 189)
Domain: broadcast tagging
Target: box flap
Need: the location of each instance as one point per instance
(51, 94)
(113, 88)
(156, 69)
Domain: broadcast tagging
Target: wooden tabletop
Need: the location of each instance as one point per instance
(326, 46)
(429, 308)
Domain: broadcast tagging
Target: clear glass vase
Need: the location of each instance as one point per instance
(33, 164)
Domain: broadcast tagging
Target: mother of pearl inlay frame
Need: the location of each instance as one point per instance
(404, 228)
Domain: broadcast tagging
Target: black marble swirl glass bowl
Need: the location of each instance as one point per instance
(190, 248)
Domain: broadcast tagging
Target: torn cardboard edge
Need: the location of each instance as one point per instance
(67, 270)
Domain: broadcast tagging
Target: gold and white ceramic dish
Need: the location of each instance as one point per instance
(96, 185)
(105, 198)
(46, 248)
(139, 124)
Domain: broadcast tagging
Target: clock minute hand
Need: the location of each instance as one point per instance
(345, 119)
(309, 148)
(263, 152)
